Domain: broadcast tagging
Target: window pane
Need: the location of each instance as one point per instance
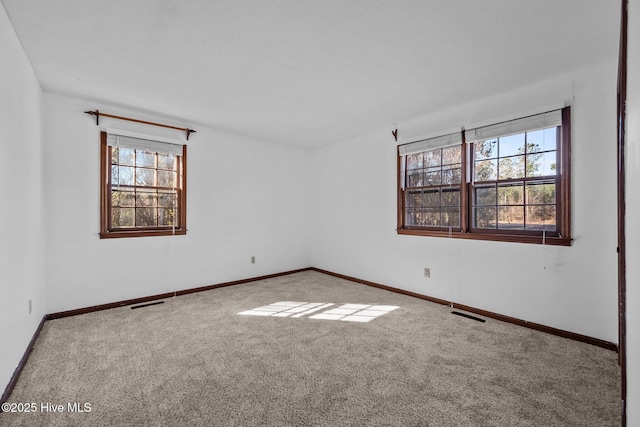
(166, 161)
(485, 196)
(145, 177)
(451, 155)
(541, 140)
(433, 208)
(122, 198)
(414, 178)
(451, 217)
(125, 156)
(413, 199)
(541, 218)
(166, 217)
(433, 178)
(419, 218)
(511, 145)
(114, 155)
(125, 175)
(540, 164)
(511, 217)
(485, 217)
(433, 158)
(512, 167)
(146, 217)
(451, 176)
(541, 193)
(121, 217)
(167, 200)
(512, 194)
(414, 161)
(411, 217)
(166, 179)
(486, 170)
(486, 149)
(431, 217)
(432, 199)
(146, 200)
(145, 159)
(451, 198)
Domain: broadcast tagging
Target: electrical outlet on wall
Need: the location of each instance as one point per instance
(29, 306)
(253, 260)
(427, 272)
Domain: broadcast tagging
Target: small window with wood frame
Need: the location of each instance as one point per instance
(507, 182)
(143, 187)
(432, 183)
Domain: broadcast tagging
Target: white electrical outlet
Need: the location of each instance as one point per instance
(253, 260)
(427, 272)
(29, 306)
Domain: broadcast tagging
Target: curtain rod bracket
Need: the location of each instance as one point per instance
(95, 113)
(98, 114)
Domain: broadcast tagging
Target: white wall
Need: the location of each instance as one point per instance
(245, 198)
(632, 215)
(571, 288)
(254, 198)
(21, 208)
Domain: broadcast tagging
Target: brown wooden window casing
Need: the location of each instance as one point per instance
(142, 188)
(513, 187)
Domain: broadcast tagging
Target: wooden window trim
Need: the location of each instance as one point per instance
(561, 238)
(105, 197)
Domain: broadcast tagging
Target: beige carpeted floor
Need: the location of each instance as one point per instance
(194, 361)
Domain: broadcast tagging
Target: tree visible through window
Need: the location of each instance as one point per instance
(515, 181)
(433, 188)
(508, 181)
(143, 187)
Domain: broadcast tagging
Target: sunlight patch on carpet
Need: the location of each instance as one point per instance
(347, 312)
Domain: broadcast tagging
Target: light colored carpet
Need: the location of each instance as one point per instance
(194, 361)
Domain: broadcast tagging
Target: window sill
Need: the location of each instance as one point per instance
(558, 241)
(141, 233)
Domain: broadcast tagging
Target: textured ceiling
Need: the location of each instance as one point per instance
(305, 72)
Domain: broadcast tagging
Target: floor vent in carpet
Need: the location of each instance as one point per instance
(147, 305)
(468, 316)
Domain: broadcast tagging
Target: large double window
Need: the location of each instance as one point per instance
(143, 187)
(509, 181)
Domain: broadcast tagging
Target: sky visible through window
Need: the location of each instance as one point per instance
(324, 311)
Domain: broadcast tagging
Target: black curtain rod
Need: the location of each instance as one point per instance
(98, 114)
